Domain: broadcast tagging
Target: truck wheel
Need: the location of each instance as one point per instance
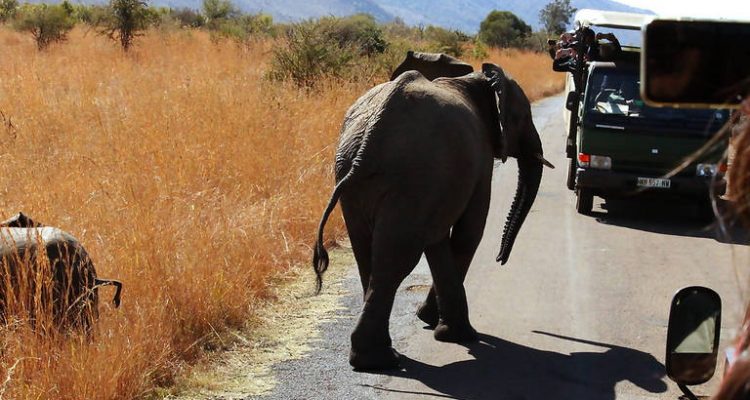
(571, 183)
(584, 201)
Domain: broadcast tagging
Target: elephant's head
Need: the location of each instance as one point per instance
(519, 139)
(432, 65)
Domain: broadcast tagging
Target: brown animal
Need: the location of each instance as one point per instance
(47, 269)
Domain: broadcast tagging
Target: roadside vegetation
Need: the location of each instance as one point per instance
(194, 168)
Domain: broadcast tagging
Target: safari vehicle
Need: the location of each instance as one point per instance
(620, 146)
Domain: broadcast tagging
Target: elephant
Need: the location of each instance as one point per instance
(432, 65)
(45, 268)
(413, 173)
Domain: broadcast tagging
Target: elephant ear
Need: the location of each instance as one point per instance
(499, 83)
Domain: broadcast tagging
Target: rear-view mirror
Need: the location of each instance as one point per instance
(693, 335)
(692, 63)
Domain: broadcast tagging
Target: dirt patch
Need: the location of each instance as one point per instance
(418, 288)
(286, 329)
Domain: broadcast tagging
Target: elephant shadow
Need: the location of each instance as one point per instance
(506, 370)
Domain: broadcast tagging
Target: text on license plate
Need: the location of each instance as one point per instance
(661, 183)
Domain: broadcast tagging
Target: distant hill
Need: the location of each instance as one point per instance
(464, 15)
(295, 10)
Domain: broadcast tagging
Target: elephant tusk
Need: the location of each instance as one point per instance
(543, 161)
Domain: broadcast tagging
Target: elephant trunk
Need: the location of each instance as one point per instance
(529, 178)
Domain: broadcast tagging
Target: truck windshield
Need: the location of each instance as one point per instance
(613, 96)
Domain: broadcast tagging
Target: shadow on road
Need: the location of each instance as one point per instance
(680, 218)
(505, 370)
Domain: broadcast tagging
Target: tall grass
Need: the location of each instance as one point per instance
(185, 174)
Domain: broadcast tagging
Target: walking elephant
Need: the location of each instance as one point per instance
(432, 65)
(413, 170)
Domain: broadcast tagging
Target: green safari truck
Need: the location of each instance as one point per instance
(626, 147)
(620, 146)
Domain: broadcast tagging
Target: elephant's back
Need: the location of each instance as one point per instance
(410, 127)
(58, 244)
(432, 125)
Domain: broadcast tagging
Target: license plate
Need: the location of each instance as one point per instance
(660, 183)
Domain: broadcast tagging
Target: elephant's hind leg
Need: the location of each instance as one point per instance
(395, 254)
(360, 235)
(453, 325)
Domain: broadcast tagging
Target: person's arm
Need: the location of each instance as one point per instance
(612, 39)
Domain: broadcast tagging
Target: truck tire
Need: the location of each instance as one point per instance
(571, 182)
(584, 201)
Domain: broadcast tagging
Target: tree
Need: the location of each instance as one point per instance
(8, 9)
(446, 41)
(503, 29)
(125, 21)
(216, 11)
(47, 23)
(555, 16)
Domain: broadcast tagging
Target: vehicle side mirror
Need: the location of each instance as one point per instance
(572, 100)
(693, 336)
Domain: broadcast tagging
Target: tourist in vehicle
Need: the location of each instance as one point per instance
(608, 51)
(565, 53)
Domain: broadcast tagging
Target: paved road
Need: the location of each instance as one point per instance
(579, 312)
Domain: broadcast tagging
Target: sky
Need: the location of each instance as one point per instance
(726, 9)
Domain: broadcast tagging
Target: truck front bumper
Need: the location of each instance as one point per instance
(607, 182)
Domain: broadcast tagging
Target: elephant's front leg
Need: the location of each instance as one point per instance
(465, 237)
(453, 325)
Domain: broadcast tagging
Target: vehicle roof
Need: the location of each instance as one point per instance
(611, 19)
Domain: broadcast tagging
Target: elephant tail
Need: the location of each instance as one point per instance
(320, 255)
(111, 282)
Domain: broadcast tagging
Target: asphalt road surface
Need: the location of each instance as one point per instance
(579, 312)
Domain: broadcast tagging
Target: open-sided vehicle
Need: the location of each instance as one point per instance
(617, 144)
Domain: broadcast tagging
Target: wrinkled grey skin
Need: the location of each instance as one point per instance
(432, 65)
(73, 286)
(413, 171)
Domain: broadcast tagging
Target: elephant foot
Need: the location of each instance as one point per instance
(456, 333)
(428, 314)
(374, 359)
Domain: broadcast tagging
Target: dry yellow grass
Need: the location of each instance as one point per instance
(186, 176)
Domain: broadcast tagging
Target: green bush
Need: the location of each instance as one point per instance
(244, 27)
(187, 18)
(308, 54)
(343, 48)
(8, 9)
(503, 29)
(359, 31)
(537, 41)
(446, 41)
(90, 14)
(216, 12)
(46, 23)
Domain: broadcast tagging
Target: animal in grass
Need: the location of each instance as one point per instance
(413, 174)
(45, 268)
(432, 65)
